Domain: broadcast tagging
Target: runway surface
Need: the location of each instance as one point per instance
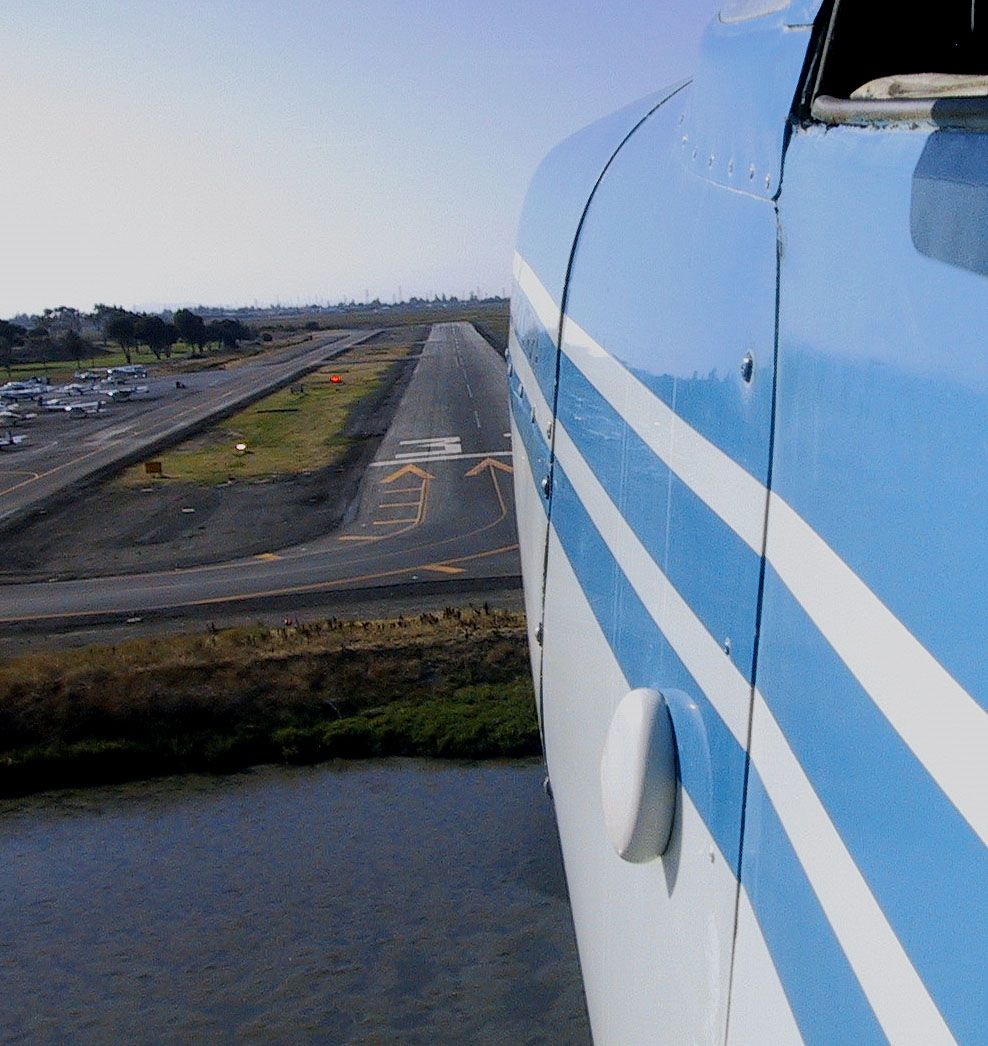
(436, 503)
(65, 452)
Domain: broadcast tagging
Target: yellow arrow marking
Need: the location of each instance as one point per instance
(442, 568)
(269, 556)
(406, 470)
(489, 463)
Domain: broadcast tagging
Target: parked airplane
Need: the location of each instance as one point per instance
(8, 439)
(72, 407)
(29, 389)
(126, 392)
(127, 372)
(749, 399)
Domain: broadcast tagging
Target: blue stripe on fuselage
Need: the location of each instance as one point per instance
(785, 905)
(708, 753)
(706, 561)
(825, 996)
(921, 859)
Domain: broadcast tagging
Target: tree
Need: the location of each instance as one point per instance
(120, 328)
(74, 345)
(155, 333)
(11, 335)
(191, 328)
(38, 343)
(63, 318)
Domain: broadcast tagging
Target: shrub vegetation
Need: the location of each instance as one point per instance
(453, 685)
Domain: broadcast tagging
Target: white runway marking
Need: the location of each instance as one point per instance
(429, 447)
(405, 459)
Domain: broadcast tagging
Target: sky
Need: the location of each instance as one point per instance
(168, 152)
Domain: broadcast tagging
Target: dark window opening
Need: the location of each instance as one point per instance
(882, 39)
(883, 61)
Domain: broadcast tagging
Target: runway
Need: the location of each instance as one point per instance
(435, 504)
(64, 453)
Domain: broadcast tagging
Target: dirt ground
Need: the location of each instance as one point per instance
(110, 530)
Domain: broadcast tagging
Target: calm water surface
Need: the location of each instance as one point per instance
(399, 901)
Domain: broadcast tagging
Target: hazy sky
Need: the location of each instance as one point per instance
(169, 151)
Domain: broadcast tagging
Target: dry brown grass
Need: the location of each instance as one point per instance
(454, 683)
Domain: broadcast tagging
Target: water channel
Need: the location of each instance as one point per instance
(399, 901)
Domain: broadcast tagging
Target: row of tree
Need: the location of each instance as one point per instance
(59, 334)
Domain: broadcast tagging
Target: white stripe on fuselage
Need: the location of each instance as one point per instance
(949, 736)
(888, 978)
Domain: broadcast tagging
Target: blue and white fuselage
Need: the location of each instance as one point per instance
(749, 394)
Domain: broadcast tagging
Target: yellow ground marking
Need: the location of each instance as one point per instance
(268, 556)
(407, 470)
(489, 463)
(315, 586)
(442, 568)
(403, 525)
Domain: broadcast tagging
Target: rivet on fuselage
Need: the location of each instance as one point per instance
(547, 484)
(747, 367)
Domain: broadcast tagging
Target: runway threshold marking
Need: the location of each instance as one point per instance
(390, 462)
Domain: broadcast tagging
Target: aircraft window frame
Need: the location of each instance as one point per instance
(734, 11)
(959, 111)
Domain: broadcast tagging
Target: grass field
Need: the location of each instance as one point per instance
(452, 685)
(490, 319)
(286, 432)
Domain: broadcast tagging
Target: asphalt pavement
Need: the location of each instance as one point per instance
(64, 453)
(435, 504)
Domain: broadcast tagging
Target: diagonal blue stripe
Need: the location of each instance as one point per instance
(710, 566)
(824, 994)
(921, 859)
(788, 911)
